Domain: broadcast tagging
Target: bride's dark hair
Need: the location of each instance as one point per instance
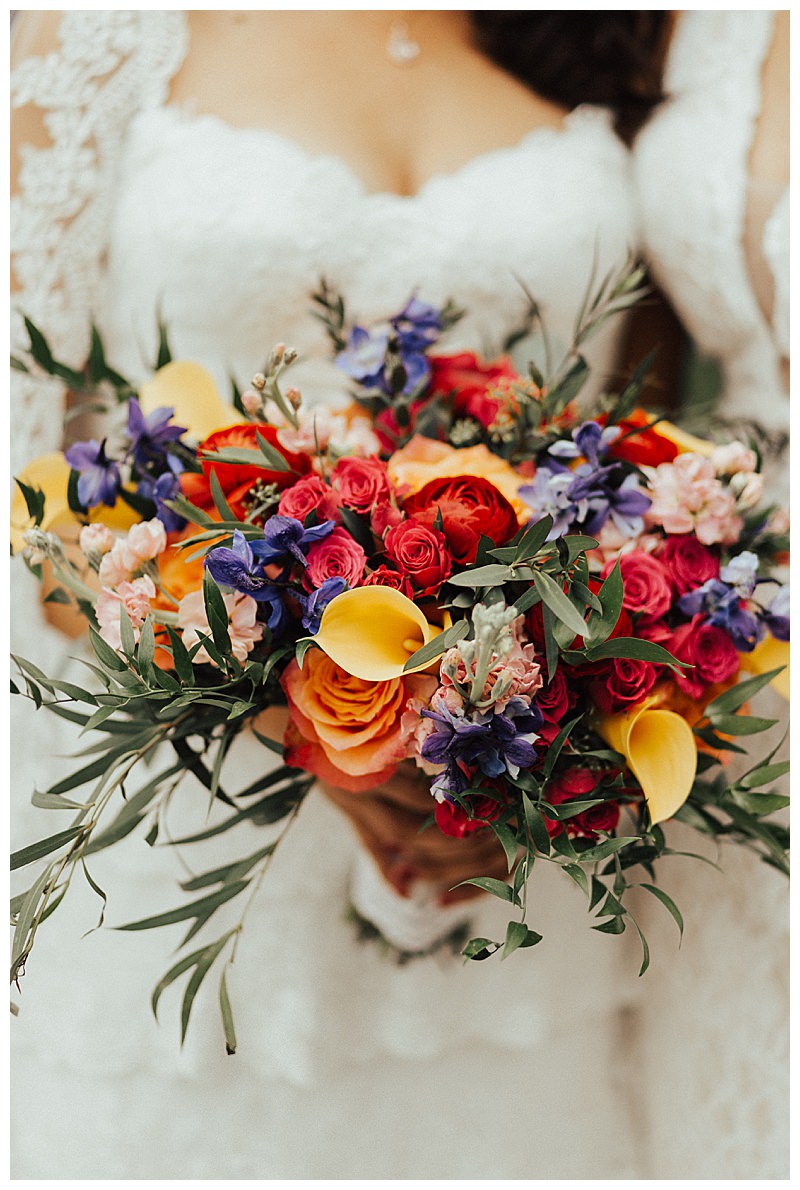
(609, 58)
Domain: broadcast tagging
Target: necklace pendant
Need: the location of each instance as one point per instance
(400, 47)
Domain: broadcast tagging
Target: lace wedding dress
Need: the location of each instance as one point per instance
(348, 1066)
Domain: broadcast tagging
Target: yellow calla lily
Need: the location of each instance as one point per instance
(192, 392)
(769, 653)
(370, 632)
(661, 753)
(50, 472)
(686, 443)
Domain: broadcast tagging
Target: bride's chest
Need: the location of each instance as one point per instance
(229, 230)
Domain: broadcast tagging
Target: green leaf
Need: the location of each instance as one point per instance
(28, 855)
(57, 595)
(508, 840)
(518, 934)
(763, 775)
(554, 598)
(227, 1015)
(611, 593)
(614, 925)
(608, 847)
(184, 964)
(533, 539)
(554, 750)
(536, 826)
(731, 700)
(274, 457)
(498, 888)
(126, 636)
(576, 873)
(107, 656)
(218, 496)
(147, 646)
(668, 904)
(34, 500)
(50, 801)
(639, 650)
(479, 949)
(439, 644)
(27, 912)
(741, 724)
(229, 872)
(217, 614)
(194, 909)
(482, 576)
(645, 947)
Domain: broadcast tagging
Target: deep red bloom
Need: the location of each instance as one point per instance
(472, 380)
(647, 448)
(470, 507)
(454, 820)
(421, 553)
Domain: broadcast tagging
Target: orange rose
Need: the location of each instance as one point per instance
(345, 730)
(422, 460)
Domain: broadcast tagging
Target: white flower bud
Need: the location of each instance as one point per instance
(259, 382)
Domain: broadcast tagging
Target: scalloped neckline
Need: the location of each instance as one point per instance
(573, 120)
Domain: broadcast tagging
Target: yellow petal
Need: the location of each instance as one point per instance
(192, 393)
(686, 443)
(372, 631)
(49, 472)
(769, 654)
(661, 753)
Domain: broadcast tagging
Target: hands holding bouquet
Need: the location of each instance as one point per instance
(546, 612)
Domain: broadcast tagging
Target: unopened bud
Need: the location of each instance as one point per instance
(259, 382)
(251, 400)
(294, 397)
(289, 355)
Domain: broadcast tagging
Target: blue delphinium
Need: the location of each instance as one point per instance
(414, 330)
(287, 540)
(161, 488)
(495, 743)
(99, 478)
(720, 603)
(314, 605)
(150, 435)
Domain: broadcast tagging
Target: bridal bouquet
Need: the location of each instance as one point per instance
(558, 615)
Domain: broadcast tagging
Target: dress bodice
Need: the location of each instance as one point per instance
(228, 230)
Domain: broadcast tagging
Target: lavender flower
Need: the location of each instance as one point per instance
(99, 479)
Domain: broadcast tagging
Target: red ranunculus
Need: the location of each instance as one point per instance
(360, 483)
(689, 562)
(420, 552)
(627, 682)
(455, 821)
(472, 382)
(647, 448)
(646, 584)
(243, 437)
(386, 577)
(470, 507)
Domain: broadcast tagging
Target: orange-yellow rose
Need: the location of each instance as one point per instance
(422, 460)
(345, 730)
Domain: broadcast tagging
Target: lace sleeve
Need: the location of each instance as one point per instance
(108, 65)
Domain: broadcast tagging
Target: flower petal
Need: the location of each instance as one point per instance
(769, 654)
(661, 753)
(191, 391)
(372, 631)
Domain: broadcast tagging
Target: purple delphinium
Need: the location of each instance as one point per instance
(286, 539)
(99, 478)
(161, 488)
(240, 569)
(412, 332)
(776, 617)
(363, 358)
(314, 605)
(150, 434)
(495, 743)
(418, 325)
(721, 605)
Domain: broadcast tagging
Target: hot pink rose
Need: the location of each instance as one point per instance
(645, 582)
(361, 483)
(625, 683)
(336, 556)
(310, 494)
(420, 552)
(688, 561)
(710, 650)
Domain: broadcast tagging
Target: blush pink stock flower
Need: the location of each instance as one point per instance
(243, 629)
(143, 542)
(336, 556)
(135, 597)
(688, 498)
(96, 539)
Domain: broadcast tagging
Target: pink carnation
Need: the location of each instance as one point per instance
(243, 629)
(336, 556)
(688, 498)
(135, 597)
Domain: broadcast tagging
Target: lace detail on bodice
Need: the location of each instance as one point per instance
(109, 65)
(691, 169)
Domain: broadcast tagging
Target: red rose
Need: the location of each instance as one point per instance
(553, 700)
(336, 556)
(626, 683)
(575, 783)
(710, 650)
(420, 552)
(384, 516)
(646, 585)
(472, 381)
(385, 577)
(310, 494)
(688, 561)
(361, 483)
(603, 817)
(454, 820)
(647, 448)
(470, 507)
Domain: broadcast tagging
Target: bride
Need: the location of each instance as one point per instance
(219, 197)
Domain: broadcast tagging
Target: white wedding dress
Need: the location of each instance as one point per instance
(348, 1066)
